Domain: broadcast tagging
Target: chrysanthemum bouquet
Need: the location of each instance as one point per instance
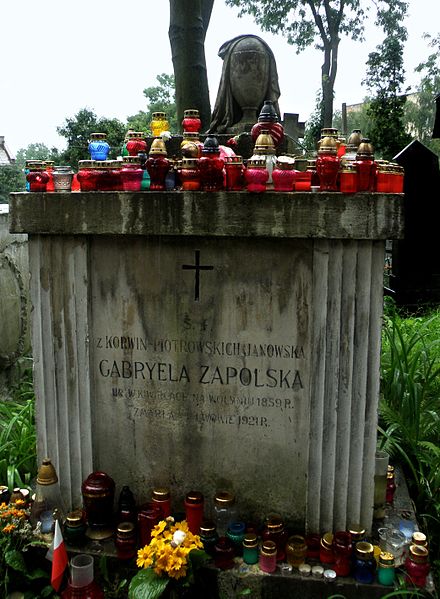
(16, 537)
(172, 556)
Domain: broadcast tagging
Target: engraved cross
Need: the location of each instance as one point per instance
(197, 267)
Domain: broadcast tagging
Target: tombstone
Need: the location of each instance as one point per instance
(415, 264)
(212, 341)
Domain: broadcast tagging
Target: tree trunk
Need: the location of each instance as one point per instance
(328, 75)
(189, 20)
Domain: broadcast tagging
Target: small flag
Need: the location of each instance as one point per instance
(58, 554)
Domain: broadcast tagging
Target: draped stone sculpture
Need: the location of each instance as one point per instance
(249, 77)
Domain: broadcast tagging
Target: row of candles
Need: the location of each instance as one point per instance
(208, 166)
(226, 536)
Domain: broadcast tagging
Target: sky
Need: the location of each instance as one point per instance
(59, 57)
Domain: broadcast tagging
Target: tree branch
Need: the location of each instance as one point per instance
(318, 21)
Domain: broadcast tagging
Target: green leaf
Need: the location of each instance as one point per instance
(37, 573)
(147, 585)
(198, 557)
(15, 560)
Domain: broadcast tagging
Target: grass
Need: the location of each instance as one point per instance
(409, 427)
(18, 455)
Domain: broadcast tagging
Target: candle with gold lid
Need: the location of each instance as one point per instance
(125, 541)
(417, 565)
(191, 120)
(162, 498)
(365, 564)
(326, 553)
(268, 557)
(194, 502)
(159, 123)
(250, 548)
(98, 146)
(75, 528)
(386, 572)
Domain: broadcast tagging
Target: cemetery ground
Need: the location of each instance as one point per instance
(409, 430)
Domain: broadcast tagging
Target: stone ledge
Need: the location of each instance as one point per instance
(216, 214)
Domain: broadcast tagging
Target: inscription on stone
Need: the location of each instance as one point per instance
(200, 368)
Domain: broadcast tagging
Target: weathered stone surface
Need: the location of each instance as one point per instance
(14, 293)
(212, 341)
(223, 214)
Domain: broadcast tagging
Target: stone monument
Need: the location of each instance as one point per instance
(212, 341)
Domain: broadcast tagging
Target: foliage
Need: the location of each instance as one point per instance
(385, 79)
(16, 538)
(18, 457)
(171, 557)
(308, 22)
(160, 98)
(410, 408)
(113, 583)
(313, 126)
(77, 132)
(356, 119)
(420, 114)
(36, 151)
(11, 179)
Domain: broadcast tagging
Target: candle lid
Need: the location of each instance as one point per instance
(224, 498)
(161, 494)
(194, 497)
(207, 526)
(386, 559)
(317, 571)
(269, 548)
(364, 549)
(419, 538)
(97, 136)
(46, 473)
(329, 575)
(125, 529)
(250, 540)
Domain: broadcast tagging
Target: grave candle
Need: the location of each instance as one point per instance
(162, 499)
(256, 175)
(417, 566)
(208, 536)
(131, 173)
(125, 541)
(268, 557)
(191, 121)
(386, 572)
(296, 550)
(149, 515)
(342, 551)
(275, 531)
(250, 548)
(365, 564)
(37, 177)
(326, 554)
(194, 502)
(87, 175)
(98, 146)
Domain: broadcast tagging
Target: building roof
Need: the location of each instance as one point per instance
(6, 157)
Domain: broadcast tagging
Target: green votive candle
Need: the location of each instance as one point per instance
(386, 571)
(250, 548)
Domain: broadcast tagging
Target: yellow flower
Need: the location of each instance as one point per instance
(144, 558)
(158, 529)
(19, 502)
(9, 528)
